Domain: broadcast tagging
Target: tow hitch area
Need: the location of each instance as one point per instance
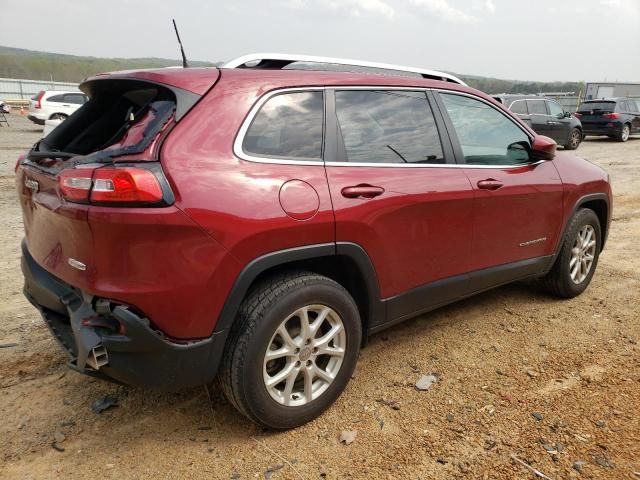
(98, 357)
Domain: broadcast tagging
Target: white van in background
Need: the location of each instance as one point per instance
(54, 105)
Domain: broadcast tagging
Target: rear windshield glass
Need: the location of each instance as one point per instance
(602, 106)
(120, 118)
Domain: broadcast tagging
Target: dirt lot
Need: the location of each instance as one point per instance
(502, 357)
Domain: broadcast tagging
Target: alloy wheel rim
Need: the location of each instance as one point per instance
(575, 139)
(625, 132)
(304, 355)
(582, 254)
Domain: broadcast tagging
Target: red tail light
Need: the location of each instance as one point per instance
(577, 115)
(39, 99)
(611, 116)
(127, 186)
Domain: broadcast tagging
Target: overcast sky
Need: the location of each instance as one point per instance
(512, 39)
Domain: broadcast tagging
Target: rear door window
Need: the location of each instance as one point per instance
(288, 126)
(387, 126)
(56, 98)
(537, 107)
(74, 98)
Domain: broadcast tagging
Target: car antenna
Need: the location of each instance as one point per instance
(184, 57)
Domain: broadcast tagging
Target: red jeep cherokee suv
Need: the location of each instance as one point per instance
(257, 222)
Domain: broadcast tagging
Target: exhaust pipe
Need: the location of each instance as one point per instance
(98, 357)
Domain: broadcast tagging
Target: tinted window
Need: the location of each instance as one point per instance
(56, 98)
(537, 107)
(487, 136)
(635, 106)
(388, 127)
(555, 109)
(74, 98)
(520, 107)
(289, 126)
(597, 106)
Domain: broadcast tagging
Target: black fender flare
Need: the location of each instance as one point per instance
(579, 203)
(265, 262)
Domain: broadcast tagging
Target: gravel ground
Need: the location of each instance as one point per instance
(555, 383)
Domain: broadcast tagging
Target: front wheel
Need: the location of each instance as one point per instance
(578, 257)
(575, 137)
(292, 349)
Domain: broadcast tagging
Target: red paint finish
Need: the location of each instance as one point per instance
(417, 231)
(526, 207)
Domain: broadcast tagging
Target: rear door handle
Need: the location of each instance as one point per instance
(362, 190)
(490, 184)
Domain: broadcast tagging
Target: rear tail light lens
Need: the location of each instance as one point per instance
(114, 186)
(39, 99)
(611, 116)
(577, 115)
(75, 184)
(128, 185)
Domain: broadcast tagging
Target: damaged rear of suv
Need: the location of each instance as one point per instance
(96, 206)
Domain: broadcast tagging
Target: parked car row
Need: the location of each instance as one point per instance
(616, 118)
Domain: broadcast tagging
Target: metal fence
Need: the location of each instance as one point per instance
(21, 89)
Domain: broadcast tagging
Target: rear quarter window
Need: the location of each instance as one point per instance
(287, 126)
(56, 98)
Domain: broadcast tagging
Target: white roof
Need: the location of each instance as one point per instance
(280, 60)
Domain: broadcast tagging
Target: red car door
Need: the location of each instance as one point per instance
(395, 195)
(518, 201)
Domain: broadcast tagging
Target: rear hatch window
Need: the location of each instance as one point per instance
(122, 118)
(597, 107)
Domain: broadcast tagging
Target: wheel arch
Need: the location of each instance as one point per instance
(346, 263)
(599, 203)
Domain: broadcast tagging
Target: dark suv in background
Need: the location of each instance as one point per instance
(615, 117)
(546, 117)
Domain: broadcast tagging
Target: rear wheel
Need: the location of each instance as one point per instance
(58, 116)
(623, 136)
(575, 137)
(578, 258)
(292, 350)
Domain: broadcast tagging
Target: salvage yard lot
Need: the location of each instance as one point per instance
(555, 383)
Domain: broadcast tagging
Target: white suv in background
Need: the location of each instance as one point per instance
(54, 105)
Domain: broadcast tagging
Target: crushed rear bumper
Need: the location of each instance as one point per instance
(119, 346)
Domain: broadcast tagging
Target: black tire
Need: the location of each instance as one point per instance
(624, 134)
(261, 313)
(575, 138)
(558, 281)
(59, 116)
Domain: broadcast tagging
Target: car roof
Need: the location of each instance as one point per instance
(198, 79)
